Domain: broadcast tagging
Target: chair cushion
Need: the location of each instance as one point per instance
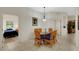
(47, 36)
(43, 36)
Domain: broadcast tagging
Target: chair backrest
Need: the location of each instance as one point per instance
(37, 33)
(35, 29)
(50, 30)
(54, 34)
(40, 30)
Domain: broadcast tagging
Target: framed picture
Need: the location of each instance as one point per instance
(34, 21)
(78, 22)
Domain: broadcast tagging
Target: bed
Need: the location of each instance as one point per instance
(9, 33)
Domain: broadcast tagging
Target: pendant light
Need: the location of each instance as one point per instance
(44, 17)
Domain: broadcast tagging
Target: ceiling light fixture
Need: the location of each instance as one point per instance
(44, 17)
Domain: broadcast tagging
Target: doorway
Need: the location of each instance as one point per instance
(71, 27)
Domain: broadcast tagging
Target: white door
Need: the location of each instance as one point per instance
(1, 31)
(58, 25)
(61, 25)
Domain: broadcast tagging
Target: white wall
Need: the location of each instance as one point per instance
(26, 28)
(77, 31)
(25, 20)
(71, 17)
(54, 20)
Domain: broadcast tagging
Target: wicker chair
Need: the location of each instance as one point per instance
(52, 40)
(50, 30)
(38, 41)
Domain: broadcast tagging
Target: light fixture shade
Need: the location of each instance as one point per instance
(44, 17)
(44, 20)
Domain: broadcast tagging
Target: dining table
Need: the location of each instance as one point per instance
(45, 35)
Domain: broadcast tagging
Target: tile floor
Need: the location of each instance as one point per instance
(65, 43)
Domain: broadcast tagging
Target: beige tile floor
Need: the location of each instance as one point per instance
(65, 43)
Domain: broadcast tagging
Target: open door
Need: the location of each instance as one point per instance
(71, 27)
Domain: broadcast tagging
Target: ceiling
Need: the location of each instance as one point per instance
(69, 10)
